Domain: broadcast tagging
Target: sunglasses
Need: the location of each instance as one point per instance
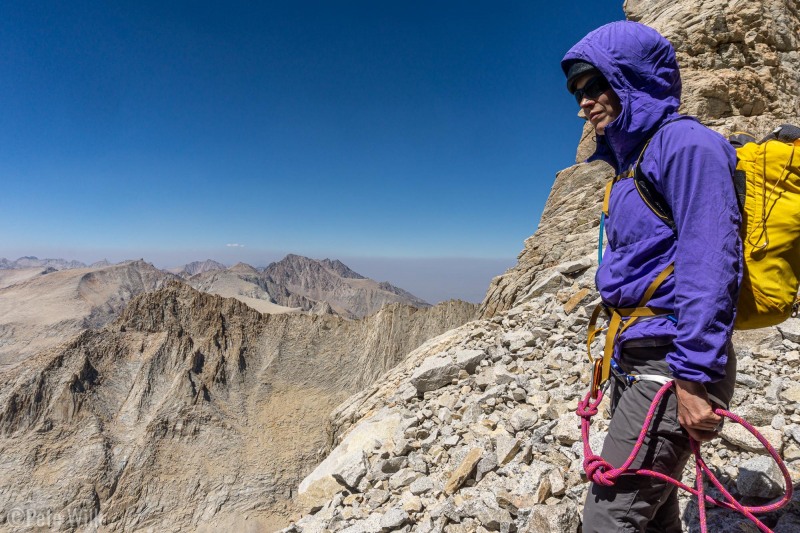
(592, 89)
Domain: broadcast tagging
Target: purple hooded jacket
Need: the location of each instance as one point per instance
(692, 167)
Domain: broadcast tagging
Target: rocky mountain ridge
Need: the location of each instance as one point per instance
(188, 378)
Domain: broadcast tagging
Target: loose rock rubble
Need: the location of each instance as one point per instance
(483, 434)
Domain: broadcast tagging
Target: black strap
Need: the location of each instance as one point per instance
(785, 133)
(654, 199)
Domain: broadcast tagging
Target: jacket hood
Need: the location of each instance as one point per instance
(641, 67)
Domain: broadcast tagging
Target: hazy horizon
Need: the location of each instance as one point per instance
(434, 279)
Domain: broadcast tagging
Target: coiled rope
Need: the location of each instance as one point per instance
(600, 471)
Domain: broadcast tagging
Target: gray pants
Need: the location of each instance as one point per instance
(637, 503)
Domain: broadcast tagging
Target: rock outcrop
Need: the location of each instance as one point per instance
(190, 410)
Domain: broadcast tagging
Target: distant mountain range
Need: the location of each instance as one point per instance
(295, 283)
(44, 301)
(30, 261)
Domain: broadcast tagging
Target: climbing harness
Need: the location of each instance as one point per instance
(601, 366)
(600, 471)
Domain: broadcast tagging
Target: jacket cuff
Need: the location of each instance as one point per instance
(681, 368)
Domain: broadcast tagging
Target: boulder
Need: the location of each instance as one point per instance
(524, 418)
(321, 484)
(739, 436)
(790, 330)
(760, 477)
(434, 373)
(393, 519)
(791, 393)
(469, 359)
(463, 471)
(567, 429)
(559, 518)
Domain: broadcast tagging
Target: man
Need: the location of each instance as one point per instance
(626, 80)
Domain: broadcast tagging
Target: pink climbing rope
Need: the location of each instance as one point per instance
(600, 471)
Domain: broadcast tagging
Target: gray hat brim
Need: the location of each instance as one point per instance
(576, 70)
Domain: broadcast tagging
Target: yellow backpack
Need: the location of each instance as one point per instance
(767, 181)
(770, 226)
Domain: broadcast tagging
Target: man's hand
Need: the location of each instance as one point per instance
(695, 413)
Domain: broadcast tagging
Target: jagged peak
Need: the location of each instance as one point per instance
(243, 268)
(198, 267)
(178, 305)
(341, 269)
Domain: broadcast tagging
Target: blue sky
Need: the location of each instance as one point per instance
(393, 133)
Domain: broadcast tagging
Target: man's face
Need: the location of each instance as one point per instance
(600, 110)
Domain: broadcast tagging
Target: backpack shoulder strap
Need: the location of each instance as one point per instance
(654, 199)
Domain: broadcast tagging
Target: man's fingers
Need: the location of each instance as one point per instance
(701, 436)
(699, 422)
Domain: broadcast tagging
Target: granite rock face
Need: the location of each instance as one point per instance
(740, 67)
(740, 61)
